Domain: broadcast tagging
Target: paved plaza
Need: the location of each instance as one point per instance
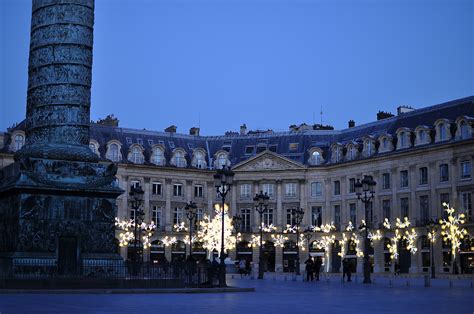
(273, 295)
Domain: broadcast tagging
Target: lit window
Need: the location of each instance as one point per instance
(19, 142)
(315, 158)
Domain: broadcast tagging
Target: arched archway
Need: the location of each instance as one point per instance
(178, 251)
(335, 258)
(157, 252)
(404, 257)
(269, 256)
(289, 256)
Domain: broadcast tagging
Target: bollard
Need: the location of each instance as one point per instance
(390, 284)
(450, 283)
(427, 281)
(408, 283)
(293, 278)
(356, 278)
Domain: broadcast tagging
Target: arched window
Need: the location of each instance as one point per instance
(199, 160)
(158, 157)
(421, 136)
(368, 148)
(19, 142)
(135, 155)
(442, 131)
(221, 160)
(179, 160)
(385, 143)
(92, 147)
(113, 152)
(315, 158)
(403, 140)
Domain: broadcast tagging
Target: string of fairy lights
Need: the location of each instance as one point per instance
(209, 234)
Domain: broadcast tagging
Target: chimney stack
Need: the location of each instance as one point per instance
(171, 129)
(404, 109)
(194, 131)
(352, 123)
(243, 129)
(383, 115)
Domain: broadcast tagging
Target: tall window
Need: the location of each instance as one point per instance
(352, 185)
(199, 160)
(368, 146)
(221, 161)
(442, 131)
(179, 159)
(443, 198)
(316, 189)
(290, 189)
(268, 188)
(465, 170)
(290, 219)
(404, 179)
(421, 136)
(424, 209)
(337, 217)
(404, 207)
(135, 183)
(20, 140)
(136, 155)
(178, 215)
(113, 152)
(353, 214)
(315, 158)
(465, 132)
(156, 216)
(268, 217)
(337, 187)
(177, 190)
(386, 181)
(245, 190)
(198, 191)
(443, 173)
(316, 216)
(386, 209)
(403, 140)
(156, 188)
(466, 204)
(245, 214)
(158, 157)
(423, 171)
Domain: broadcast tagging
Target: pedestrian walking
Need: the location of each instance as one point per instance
(317, 267)
(309, 269)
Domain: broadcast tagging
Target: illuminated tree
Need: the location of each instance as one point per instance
(209, 232)
(452, 231)
(127, 236)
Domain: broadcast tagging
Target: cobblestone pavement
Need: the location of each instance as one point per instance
(273, 295)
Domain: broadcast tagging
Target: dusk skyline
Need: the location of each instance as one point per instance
(268, 64)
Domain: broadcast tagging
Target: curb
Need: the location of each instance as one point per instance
(126, 291)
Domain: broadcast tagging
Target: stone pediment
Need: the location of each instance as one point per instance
(267, 161)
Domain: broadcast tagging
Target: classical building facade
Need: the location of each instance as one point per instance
(419, 159)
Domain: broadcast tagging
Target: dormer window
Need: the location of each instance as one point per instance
(94, 146)
(442, 131)
(315, 158)
(199, 159)
(178, 159)
(464, 129)
(336, 155)
(113, 152)
(385, 143)
(19, 142)
(221, 161)
(404, 140)
(158, 156)
(136, 155)
(351, 152)
(369, 148)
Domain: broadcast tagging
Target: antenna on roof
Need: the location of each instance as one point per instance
(321, 114)
(199, 120)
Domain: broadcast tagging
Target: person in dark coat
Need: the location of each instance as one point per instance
(345, 267)
(309, 269)
(317, 267)
(248, 267)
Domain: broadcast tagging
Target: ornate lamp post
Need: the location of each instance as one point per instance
(308, 234)
(261, 206)
(136, 201)
(297, 214)
(223, 180)
(191, 213)
(365, 193)
(432, 230)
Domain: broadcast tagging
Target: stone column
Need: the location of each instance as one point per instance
(146, 198)
(279, 207)
(59, 81)
(278, 259)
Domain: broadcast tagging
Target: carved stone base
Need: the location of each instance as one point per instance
(57, 211)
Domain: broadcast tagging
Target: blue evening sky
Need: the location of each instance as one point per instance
(266, 63)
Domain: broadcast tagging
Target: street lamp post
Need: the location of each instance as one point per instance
(308, 234)
(431, 229)
(136, 201)
(297, 214)
(223, 180)
(365, 193)
(191, 213)
(261, 205)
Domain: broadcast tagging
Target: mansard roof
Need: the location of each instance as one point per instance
(294, 145)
